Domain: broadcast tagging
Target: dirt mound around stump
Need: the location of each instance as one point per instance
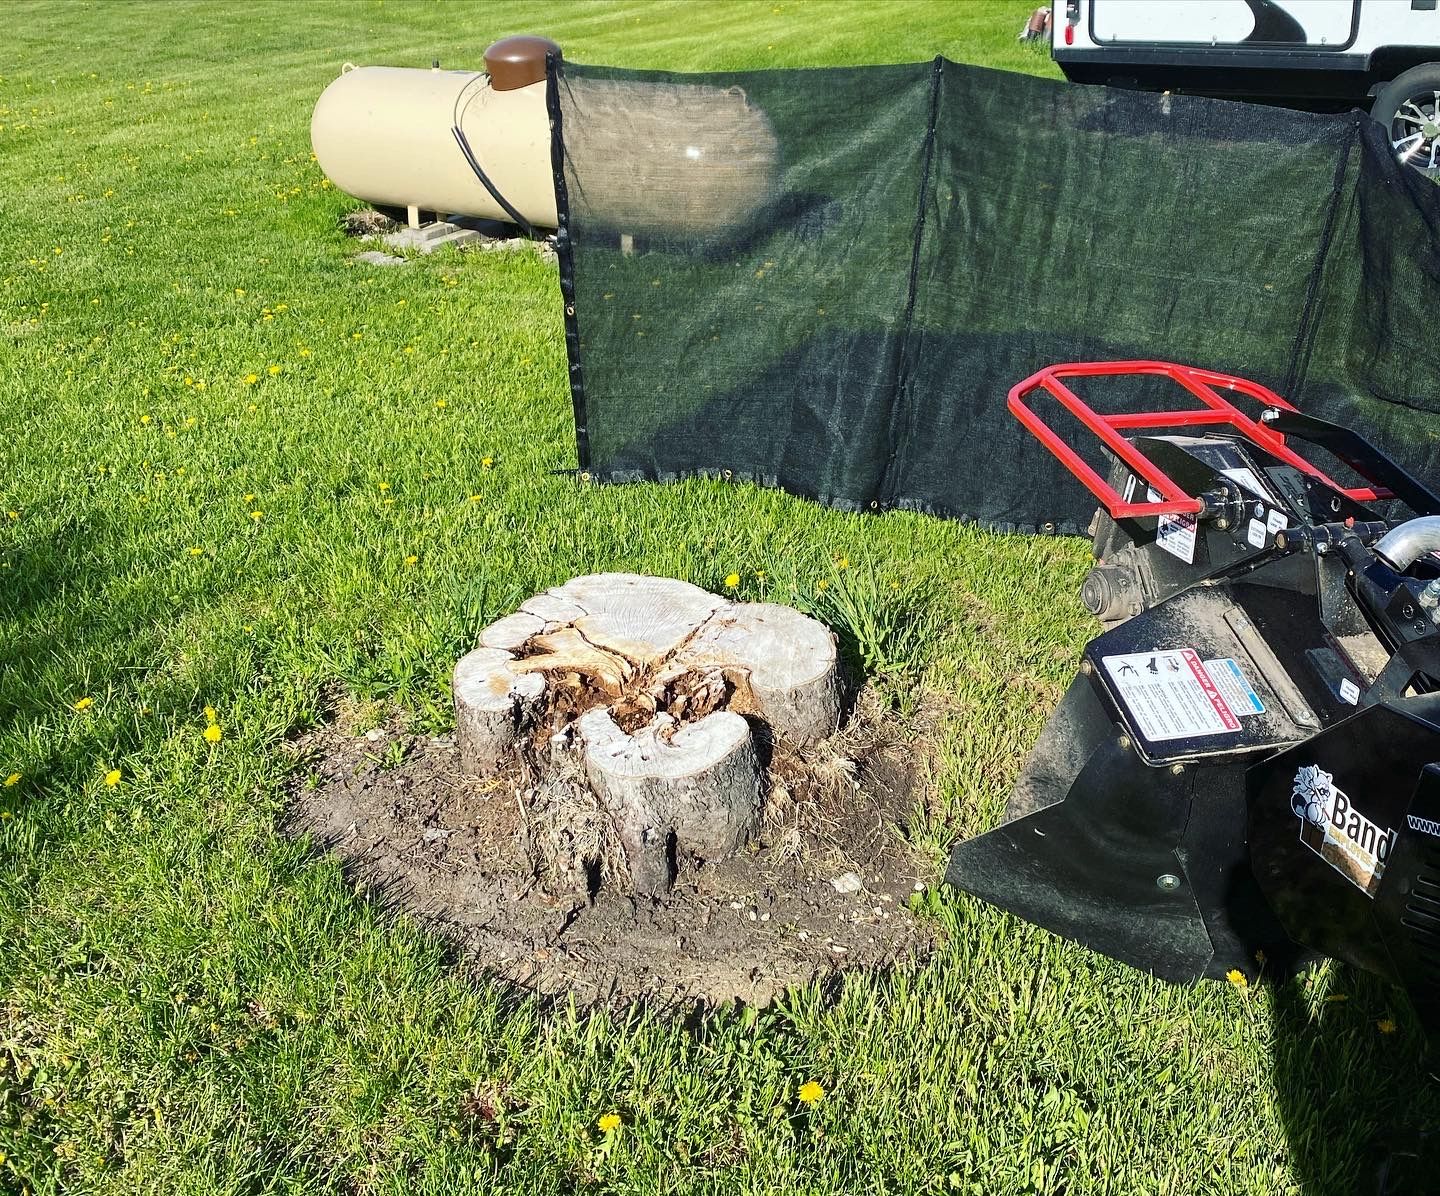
(823, 885)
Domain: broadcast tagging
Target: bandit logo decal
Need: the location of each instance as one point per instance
(1337, 832)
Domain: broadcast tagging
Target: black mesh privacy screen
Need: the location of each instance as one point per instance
(828, 280)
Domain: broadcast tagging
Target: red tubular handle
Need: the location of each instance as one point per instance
(1216, 411)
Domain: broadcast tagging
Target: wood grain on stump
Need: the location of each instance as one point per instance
(661, 687)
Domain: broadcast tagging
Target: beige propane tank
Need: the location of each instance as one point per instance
(646, 159)
(383, 134)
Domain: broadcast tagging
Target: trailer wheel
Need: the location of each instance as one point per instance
(1409, 108)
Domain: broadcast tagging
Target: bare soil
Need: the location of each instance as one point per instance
(461, 855)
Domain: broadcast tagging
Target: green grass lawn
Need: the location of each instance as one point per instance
(241, 473)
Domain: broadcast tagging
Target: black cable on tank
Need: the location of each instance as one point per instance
(474, 164)
(485, 182)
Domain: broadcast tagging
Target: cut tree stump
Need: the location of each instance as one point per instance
(492, 704)
(790, 661)
(670, 788)
(661, 688)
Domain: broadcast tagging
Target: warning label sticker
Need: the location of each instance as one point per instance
(1170, 694)
(1234, 687)
(1174, 533)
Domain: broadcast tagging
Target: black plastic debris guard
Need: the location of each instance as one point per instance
(827, 280)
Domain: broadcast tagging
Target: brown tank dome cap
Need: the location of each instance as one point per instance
(518, 61)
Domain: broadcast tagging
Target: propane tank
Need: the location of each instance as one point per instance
(384, 134)
(647, 159)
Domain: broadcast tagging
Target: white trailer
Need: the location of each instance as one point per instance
(1321, 54)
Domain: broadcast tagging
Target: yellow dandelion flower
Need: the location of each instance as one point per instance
(240, 291)
(212, 733)
(811, 1092)
(440, 403)
(1237, 978)
(822, 585)
(249, 498)
(487, 462)
(412, 559)
(197, 552)
(251, 379)
(305, 350)
(144, 419)
(12, 780)
(732, 580)
(257, 515)
(384, 486)
(210, 715)
(112, 778)
(608, 1122)
(272, 370)
(477, 498)
(843, 563)
(84, 703)
(1386, 1026)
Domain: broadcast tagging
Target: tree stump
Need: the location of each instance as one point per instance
(661, 688)
(694, 788)
(492, 704)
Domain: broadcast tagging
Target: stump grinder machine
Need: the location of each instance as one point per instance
(1247, 766)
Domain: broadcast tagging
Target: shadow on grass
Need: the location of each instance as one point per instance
(87, 669)
(1360, 1110)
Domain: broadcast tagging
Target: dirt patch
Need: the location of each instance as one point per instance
(467, 857)
(367, 222)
